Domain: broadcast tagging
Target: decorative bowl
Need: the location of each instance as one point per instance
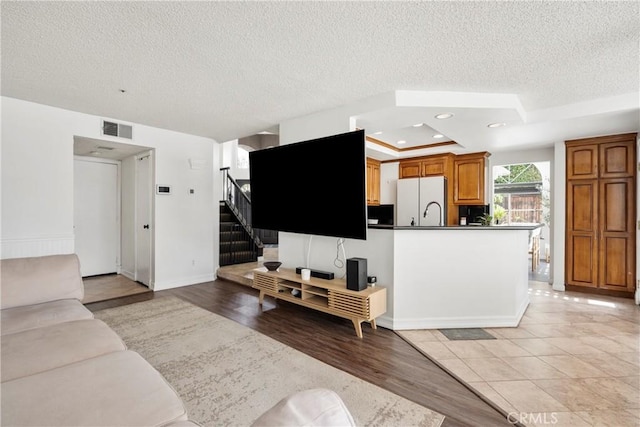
(272, 265)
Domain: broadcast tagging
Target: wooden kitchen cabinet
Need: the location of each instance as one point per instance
(373, 182)
(409, 169)
(600, 230)
(469, 179)
(437, 165)
(617, 159)
(582, 162)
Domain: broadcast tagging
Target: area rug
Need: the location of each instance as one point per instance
(228, 374)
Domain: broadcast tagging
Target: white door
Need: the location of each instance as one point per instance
(96, 218)
(407, 201)
(144, 227)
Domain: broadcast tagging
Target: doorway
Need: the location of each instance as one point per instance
(521, 195)
(126, 196)
(96, 214)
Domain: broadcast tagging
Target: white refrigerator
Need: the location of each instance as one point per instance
(413, 196)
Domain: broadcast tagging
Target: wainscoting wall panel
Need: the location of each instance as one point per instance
(37, 246)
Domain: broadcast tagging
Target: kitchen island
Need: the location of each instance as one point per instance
(436, 277)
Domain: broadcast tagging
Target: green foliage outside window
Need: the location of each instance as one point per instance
(520, 174)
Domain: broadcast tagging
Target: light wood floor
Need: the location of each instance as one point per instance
(382, 357)
(109, 286)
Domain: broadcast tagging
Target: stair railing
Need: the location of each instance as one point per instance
(239, 203)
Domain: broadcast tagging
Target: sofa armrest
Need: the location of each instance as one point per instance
(36, 280)
(316, 407)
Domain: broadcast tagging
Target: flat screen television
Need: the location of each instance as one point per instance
(312, 187)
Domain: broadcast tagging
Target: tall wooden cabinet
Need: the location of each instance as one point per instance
(601, 211)
(373, 182)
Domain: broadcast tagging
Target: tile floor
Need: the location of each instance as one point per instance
(574, 360)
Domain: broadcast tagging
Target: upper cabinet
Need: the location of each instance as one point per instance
(373, 182)
(582, 162)
(436, 165)
(469, 179)
(587, 159)
(409, 169)
(617, 158)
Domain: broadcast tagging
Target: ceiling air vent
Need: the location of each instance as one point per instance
(117, 129)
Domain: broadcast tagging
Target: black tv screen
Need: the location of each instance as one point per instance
(312, 187)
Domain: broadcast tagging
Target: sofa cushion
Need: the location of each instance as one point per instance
(37, 350)
(116, 389)
(35, 280)
(19, 319)
(315, 407)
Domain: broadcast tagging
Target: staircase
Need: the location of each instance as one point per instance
(239, 243)
(236, 245)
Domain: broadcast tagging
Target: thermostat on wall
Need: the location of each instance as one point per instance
(163, 189)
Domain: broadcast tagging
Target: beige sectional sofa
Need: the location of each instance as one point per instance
(62, 367)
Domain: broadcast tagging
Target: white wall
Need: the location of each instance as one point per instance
(37, 179)
(37, 190)
(558, 214)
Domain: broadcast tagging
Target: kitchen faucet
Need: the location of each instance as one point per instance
(426, 212)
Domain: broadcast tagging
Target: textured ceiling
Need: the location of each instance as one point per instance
(227, 70)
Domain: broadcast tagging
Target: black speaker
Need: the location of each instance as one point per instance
(356, 274)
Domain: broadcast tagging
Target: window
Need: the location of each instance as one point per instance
(519, 196)
(243, 159)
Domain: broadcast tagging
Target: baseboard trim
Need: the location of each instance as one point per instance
(128, 274)
(599, 291)
(194, 280)
(448, 323)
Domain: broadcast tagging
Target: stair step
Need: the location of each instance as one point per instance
(230, 236)
(235, 246)
(238, 257)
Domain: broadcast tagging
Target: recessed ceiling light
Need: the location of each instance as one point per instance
(402, 141)
(417, 125)
(438, 136)
(444, 116)
(95, 153)
(378, 133)
(496, 125)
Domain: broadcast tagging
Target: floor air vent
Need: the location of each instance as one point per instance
(117, 129)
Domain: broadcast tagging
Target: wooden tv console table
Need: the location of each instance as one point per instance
(329, 296)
